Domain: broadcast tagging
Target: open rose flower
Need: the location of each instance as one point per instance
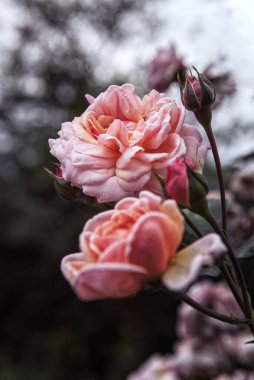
(123, 248)
(110, 150)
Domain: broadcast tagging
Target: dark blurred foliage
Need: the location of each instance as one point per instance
(46, 332)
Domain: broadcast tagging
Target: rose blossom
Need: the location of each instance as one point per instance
(111, 149)
(123, 248)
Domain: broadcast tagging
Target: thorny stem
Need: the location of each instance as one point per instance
(246, 298)
(205, 310)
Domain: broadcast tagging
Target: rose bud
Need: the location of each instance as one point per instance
(196, 93)
(65, 190)
(184, 184)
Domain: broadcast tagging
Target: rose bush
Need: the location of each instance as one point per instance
(123, 248)
(110, 150)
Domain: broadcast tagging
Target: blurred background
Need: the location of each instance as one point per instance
(52, 54)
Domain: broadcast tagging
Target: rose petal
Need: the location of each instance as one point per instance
(196, 145)
(109, 191)
(185, 265)
(102, 280)
(152, 241)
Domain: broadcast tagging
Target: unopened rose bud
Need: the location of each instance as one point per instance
(185, 185)
(65, 189)
(196, 93)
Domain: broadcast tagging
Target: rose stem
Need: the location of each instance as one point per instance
(223, 265)
(216, 156)
(221, 317)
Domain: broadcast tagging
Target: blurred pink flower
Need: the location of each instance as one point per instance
(242, 183)
(192, 323)
(194, 357)
(240, 352)
(123, 248)
(111, 149)
(157, 367)
(162, 70)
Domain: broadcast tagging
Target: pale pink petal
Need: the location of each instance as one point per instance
(127, 156)
(90, 98)
(110, 142)
(94, 150)
(89, 177)
(119, 130)
(185, 265)
(135, 176)
(121, 102)
(149, 102)
(196, 145)
(175, 146)
(109, 191)
(89, 162)
(158, 128)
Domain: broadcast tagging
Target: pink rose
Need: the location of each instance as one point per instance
(110, 150)
(123, 248)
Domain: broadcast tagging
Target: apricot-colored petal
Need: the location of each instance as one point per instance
(151, 242)
(115, 252)
(185, 265)
(119, 130)
(170, 208)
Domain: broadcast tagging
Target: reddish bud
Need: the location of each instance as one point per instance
(185, 185)
(196, 93)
